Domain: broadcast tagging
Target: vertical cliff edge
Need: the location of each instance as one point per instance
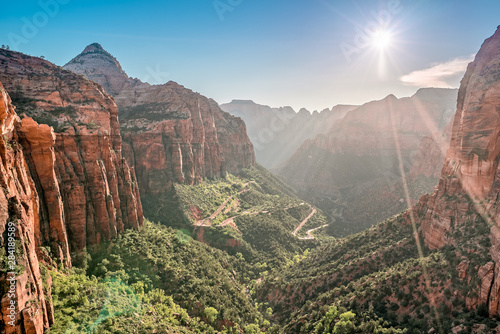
(469, 188)
(87, 191)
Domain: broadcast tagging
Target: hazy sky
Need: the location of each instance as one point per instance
(303, 53)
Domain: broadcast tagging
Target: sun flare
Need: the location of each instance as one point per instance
(382, 39)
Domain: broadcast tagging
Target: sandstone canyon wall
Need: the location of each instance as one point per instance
(469, 188)
(172, 134)
(19, 224)
(88, 192)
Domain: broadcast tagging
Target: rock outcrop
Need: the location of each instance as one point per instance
(354, 170)
(95, 185)
(24, 306)
(96, 63)
(171, 134)
(277, 133)
(429, 158)
(470, 173)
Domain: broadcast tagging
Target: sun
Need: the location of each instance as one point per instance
(381, 39)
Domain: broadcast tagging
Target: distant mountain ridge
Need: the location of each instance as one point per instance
(278, 132)
(353, 169)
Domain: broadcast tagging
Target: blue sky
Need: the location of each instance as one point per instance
(303, 53)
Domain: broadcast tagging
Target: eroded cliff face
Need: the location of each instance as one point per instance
(171, 134)
(19, 220)
(96, 187)
(353, 171)
(468, 190)
(429, 158)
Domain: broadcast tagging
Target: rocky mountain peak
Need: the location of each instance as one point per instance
(304, 111)
(94, 47)
(390, 97)
(250, 102)
(100, 66)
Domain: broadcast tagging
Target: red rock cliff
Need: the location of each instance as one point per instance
(171, 134)
(19, 205)
(471, 168)
(174, 134)
(94, 183)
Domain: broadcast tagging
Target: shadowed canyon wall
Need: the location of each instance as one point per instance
(469, 187)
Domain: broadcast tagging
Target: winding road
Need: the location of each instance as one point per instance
(230, 221)
(304, 221)
(208, 221)
(309, 233)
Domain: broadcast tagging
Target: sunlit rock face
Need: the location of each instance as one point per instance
(171, 134)
(88, 192)
(100, 66)
(20, 224)
(471, 167)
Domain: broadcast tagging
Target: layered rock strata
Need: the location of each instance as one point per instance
(89, 176)
(469, 187)
(24, 307)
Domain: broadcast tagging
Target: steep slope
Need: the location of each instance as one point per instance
(254, 214)
(139, 277)
(353, 171)
(277, 133)
(431, 153)
(100, 66)
(468, 189)
(171, 134)
(23, 299)
(95, 185)
(380, 271)
(188, 135)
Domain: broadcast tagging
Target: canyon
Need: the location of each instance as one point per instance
(278, 132)
(85, 147)
(356, 170)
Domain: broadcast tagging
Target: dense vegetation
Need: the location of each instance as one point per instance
(379, 272)
(154, 278)
(158, 280)
(253, 275)
(251, 215)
